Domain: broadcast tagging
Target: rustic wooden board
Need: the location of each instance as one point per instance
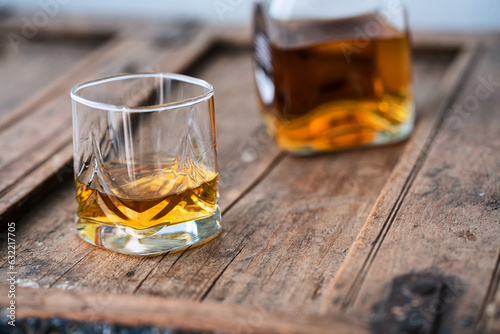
(288, 223)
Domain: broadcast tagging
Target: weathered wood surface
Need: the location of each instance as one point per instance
(288, 223)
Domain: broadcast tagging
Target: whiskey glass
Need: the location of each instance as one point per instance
(333, 75)
(145, 162)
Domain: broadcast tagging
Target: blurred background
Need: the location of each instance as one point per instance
(424, 15)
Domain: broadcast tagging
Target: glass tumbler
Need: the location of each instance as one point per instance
(145, 162)
(333, 74)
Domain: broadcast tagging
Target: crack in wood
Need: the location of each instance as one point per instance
(219, 276)
(71, 267)
(153, 268)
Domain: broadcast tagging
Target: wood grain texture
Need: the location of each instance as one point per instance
(440, 215)
(171, 313)
(288, 223)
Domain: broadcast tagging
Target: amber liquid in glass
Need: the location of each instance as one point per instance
(157, 196)
(341, 94)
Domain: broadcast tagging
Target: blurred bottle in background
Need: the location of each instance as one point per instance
(333, 75)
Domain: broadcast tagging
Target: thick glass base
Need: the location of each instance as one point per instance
(168, 238)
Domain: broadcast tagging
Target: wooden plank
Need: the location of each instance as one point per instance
(35, 147)
(64, 31)
(289, 235)
(441, 213)
(51, 89)
(170, 313)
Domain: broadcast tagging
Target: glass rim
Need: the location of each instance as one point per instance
(159, 107)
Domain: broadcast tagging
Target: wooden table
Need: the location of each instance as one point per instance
(401, 238)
